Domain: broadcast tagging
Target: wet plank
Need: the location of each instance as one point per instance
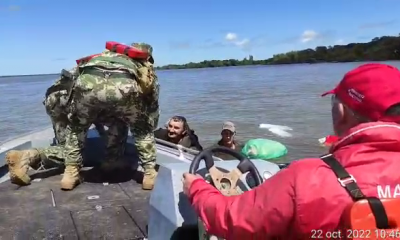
(140, 199)
(36, 194)
(30, 223)
(106, 223)
(89, 194)
(116, 210)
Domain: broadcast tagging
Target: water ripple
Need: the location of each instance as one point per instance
(285, 95)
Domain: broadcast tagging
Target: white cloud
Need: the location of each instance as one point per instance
(308, 36)
(242, 42)
(231, 36)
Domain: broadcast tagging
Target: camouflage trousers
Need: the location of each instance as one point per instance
(57, 109)
(112, 98)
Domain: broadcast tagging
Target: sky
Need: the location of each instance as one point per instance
(43, 36)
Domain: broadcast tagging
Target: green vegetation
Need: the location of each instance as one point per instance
(378, 49)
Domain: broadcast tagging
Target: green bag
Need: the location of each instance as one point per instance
(264, 149)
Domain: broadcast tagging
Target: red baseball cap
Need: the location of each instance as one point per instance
(370, 90)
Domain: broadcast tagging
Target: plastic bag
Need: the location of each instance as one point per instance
(264, 149)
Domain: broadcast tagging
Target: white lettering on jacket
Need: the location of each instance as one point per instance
(387, 191)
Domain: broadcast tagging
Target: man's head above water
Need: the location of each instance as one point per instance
(369, 93)
(177, 128)
(228, 132)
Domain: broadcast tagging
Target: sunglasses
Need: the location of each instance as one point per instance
(334, 100)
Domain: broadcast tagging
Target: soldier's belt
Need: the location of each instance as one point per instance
(107, 73)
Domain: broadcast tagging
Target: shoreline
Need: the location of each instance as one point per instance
(277, 64)
(28, 75)
(168, 69)
(379, 49)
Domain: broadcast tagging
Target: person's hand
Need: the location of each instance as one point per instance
(187, 181)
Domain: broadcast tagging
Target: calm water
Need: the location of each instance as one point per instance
(285, 95)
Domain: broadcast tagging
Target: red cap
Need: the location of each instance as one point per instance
(370, 90)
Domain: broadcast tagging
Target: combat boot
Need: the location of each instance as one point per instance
(71, 177)
(19, 161)
(149, 179)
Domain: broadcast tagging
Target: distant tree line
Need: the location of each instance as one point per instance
(378, 49)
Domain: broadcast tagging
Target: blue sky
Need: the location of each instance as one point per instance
(43, 36)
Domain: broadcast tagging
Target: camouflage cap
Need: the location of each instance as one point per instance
(146, 48)
(229, 126)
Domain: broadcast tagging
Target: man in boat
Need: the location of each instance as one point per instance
(228, 140)
(177, 131)
(57, 107)
(56, 103)
(308, 198)
(111, 85)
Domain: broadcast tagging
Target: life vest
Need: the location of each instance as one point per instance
(86, 59)
(360, 222)
(129, 51)
(328, 140)
(366, 217)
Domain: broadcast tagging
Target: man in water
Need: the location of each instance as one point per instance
(177, 131)
(131, 88)
(228, 134)
(308, 196)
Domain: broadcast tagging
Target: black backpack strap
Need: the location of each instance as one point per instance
(344, 178)
(350, 184)
(379, 212)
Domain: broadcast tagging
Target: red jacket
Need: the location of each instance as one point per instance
(305, 199)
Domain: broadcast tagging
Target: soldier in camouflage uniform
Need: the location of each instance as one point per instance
(110, 86)
(56, 104)
(57, 107)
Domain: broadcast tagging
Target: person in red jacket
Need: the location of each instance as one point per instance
(306, 200)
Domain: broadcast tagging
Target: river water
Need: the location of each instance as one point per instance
(285, 95)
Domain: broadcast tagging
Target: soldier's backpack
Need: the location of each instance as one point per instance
(142, 66)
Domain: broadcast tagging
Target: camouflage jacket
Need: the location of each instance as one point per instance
(142, 70)
(62, 83)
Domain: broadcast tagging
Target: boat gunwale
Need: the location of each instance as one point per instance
(178, 151)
